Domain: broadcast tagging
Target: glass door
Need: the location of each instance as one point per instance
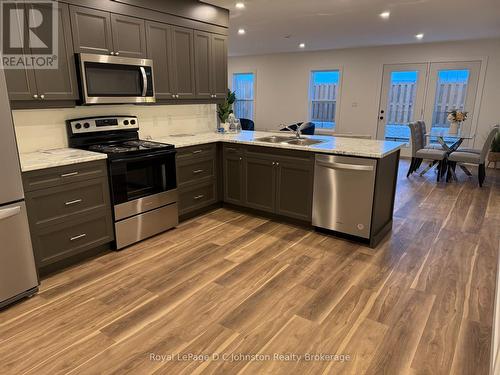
(402, 100)
(451, 86)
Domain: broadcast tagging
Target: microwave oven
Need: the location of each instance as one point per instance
(108, 79)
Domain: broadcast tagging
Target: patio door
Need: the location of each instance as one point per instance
(402, 100)
(451, 86)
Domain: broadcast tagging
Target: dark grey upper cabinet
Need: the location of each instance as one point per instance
(48, 84)
(129, 36)
(183, 62)
(60, 83)
(294, 188)
(203, 64)
(158, 37)
(219, 65)
(260, 184)
(91, 30)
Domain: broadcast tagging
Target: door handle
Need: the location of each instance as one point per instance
(349, 167)
(9, 212)
(144, 81)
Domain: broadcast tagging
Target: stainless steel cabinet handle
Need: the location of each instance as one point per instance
(144, 81)
(241, 159)
(177, 96)
(42, 96)
(112, 53)
(277, 164)
(173, 95)
(78, 237)
(350, 167)
(70, 203)
(117, 53)
(9, 212)
(69, 174)
(215, 95)
(35, 96)
(197, 151)
(198, 197)
(198, 171)
(230, 149)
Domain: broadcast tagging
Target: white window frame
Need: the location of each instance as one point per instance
(254, 73)
(312, 70)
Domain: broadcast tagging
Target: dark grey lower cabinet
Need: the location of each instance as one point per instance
(269, 180)
(69, 211)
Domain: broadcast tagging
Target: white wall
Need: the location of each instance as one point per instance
(46, 128)
(283, 80)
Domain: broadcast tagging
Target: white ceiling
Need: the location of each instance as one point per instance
(329, 24)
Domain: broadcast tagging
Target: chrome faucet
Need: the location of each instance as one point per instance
(298, 130)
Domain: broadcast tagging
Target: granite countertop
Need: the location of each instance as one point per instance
(57, 157)
(330, 145)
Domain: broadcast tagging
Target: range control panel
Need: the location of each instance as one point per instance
(104, 123)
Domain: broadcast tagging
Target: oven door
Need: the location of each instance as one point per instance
(111, 79)
(142, 183)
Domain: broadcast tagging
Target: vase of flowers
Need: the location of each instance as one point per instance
(456, 118)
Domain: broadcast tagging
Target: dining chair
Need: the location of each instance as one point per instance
(472, 158)
(474, 150)
(307, 131)
(423, 131)
(419, 152)
(247, 124)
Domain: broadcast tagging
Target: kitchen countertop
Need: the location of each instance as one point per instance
(331, 145)
(57, 157)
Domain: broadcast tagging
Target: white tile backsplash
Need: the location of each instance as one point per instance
(43, 129)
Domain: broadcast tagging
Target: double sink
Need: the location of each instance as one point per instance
(289, 140)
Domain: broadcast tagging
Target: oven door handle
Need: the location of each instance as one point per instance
(144, 81)
(144, 157)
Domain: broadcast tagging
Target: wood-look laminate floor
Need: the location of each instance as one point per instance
(240, 285)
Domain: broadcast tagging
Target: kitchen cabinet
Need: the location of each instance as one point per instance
(48, 84)
(210, 52)
(232, 165)
(270, 180)
(158, 36)
(183, 62)
(69, 211)
(96, 31)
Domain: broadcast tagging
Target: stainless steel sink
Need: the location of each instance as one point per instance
(274, 139)
(304, 142)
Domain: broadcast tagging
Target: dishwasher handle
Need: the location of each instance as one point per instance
(344, 166)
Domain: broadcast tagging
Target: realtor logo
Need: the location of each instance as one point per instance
(29, 34)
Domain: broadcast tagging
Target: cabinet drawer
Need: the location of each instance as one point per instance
(57, 176)
(206, 150)
(232, 150)
(62, 241)
(197, 197)
(194, 170)
(59, 203)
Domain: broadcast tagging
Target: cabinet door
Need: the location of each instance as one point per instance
(21, 83)
(294, 188)
(203, 64)
(91, 30)
(60, 83)
(233, 177)
(260, 185)
(183, 62)
(158, 48)
(129, 36)
(219, 65)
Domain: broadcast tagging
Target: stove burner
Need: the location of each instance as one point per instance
(144, 144)
(109, 148)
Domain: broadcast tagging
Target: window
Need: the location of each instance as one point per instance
(244, 86)
(323, 93)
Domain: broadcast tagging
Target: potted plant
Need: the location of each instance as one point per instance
(456, 118)
(494, 155)
(225, 109)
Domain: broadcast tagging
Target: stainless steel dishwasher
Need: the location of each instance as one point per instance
(343, 194)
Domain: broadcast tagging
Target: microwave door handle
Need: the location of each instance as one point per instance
(144, 81)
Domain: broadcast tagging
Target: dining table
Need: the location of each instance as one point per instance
(450, 142)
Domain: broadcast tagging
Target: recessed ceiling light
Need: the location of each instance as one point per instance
(240, 5)
(419, 36)
(241, 31)
(302, 45)
(385, 15)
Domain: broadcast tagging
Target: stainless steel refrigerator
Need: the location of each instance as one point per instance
(18, 275)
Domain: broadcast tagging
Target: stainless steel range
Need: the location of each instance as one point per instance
(142, 175)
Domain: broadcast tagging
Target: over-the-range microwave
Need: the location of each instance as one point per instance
(108, 79)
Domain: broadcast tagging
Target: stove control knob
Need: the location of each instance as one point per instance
(78, 125)
(125, 122)
(86, 125)
(132, 122)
